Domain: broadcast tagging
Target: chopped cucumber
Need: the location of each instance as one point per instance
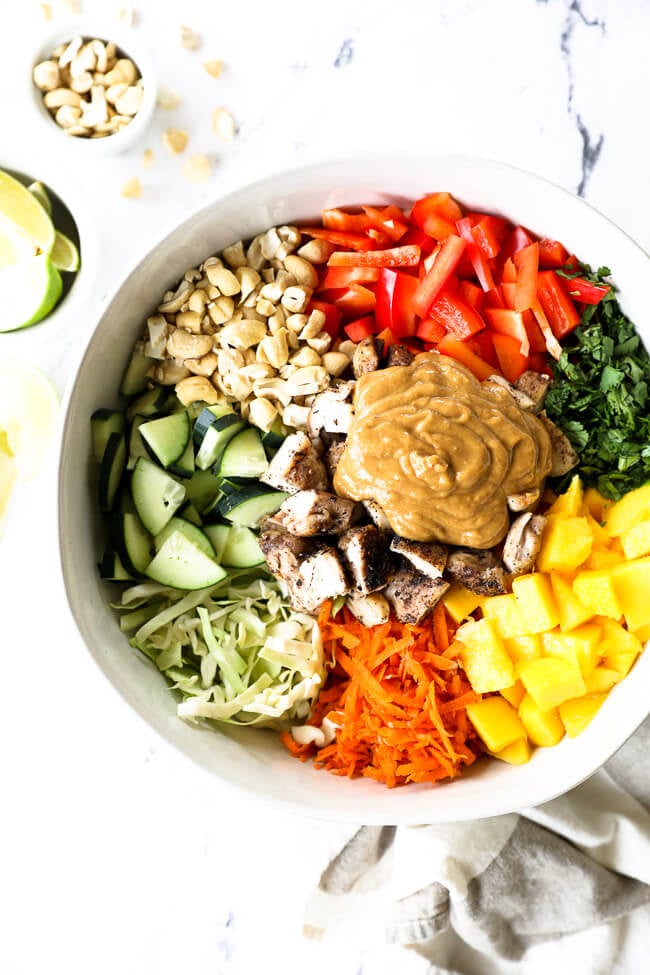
(218, 535)
(248, 506)
(191, 532)
(244, 456)
(102, 424)
(203, 488)
(274, 436)
(111, 470)
(136, 443)
(189, 513)
(184, 466)
(242, 549)
(151, 403)
(111, 568)
(167, 437)
(182, 565)
(206, 418)
(134, 380)
(133, 542)
(216, 437)
(156, 495)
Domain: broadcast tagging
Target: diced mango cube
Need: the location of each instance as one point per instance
(601, 679)
(580, 645)
(595, 589)
(516, 754)
(566, 543)
(551, 680)
(569, 503)
(619, 647)
(597, 530)
(535, 598)
(505, 612)
(596, 504)
(544, 727)
(632, 587)
(572, 611)
(603, 558)
(460, 603)
(577, 713)
(643, 633)
(484, 658)
(632, 508)
(524, 647)
(636, 540)
(496, 722)
(514, 693)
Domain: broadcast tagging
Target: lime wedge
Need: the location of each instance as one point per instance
(64, 255)
(14, 244)
(21, 208)
(29, 290)
(38, 190)
(7, 473)
(28, 410)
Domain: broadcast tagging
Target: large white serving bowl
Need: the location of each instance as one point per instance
(253, 761)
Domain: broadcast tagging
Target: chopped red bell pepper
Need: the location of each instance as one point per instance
(561, 313)
(456, 315)
(472, 294)
(395, 307)
(551, 253)
(511, 360)
(337, 219)
(440, 204)
(461, 352)
(509, 272)
(387, 337)
(579, 289)
(356, 300)
(482, 346)
(416, 236)
(361, 328)
(527, 263)
(439, 274)
(480, 263)
(407, 256)
(508, 322)
(332, 316)
(489, 232)
(343, 277)
(342, 238)
(430, 330)
(534, 332)
(438, 227)
(517, 239)
(495, 298)
(390, 220)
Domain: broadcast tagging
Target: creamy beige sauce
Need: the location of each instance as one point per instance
(440, 451)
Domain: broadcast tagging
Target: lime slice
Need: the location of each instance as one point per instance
(15, 246)
(64, 255)
(22, 208)
(29, 405)
(7, 473)
(29, 290)
(38, 190)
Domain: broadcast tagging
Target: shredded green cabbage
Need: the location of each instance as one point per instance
(235, 652)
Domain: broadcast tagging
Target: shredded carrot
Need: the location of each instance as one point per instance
(398, 697)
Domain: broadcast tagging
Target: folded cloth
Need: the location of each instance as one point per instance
(566, 884)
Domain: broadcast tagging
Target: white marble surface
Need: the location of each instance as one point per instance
(115, 854)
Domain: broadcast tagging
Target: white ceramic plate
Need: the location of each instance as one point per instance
(254, 761)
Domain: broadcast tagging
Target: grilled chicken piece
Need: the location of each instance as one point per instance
(523, 542)
(333, 455)
(314, 513)
(479, 570)
(365, 555)
(365, 358)
(535, 386)
(331, 410)
(521, 398)
(526, 501)
(399, 355)
(564, 457)
(370, 610)
(377, 514)
(429, 558)
(284, 553)
(320, 576)
(296, 466)
(412, 594)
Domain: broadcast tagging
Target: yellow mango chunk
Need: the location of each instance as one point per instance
(496, 722)
(566, 543)
(601, 679)
(636, 540)
(516, 754)
(595, 504)
(572, 611)
(524, 647)
(543, 727)
(643, 633)
(535, 598)
(632, 588)
(597, 530)
(632, 508)
(460, 603)
(505, 612)
(484, 658)
(579, 712)
(551, 680)
(603, 558)
(619, 647)
(571, 502)
(580, 645)
(514, 693)
(595, 589)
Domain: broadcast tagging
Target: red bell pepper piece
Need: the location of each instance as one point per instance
(332, 316)
(395, 308)
(356, 300)
(390, 220)
(439, 227)
(361, 328)
(416, 236)
(511, 360)
(508, 322)
(482, 346)
(517, 239)
(387, 337)
(461, 352)
(430, 330)
(407, 256)
(508, 290)
(439, 274)
(472, 294)
(479, 262)
(342, 238)
(509, 272)
(495, 298)
(489, 232)
(440, 204)
(527, 262)
(552, 253)
(535, 337)
(579, 289)
(560, 311)
(456, 315)
(336, 219)
(342, 277)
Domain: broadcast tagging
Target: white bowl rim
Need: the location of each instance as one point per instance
(492, 804)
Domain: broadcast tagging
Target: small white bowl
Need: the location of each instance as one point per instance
(254, 761)
(128, 42)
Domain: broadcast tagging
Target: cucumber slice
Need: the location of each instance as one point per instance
(156, 495)
(244, 456)
(231, 485)
(111, 567)
(242, 549)
(218, 535)
(182, 565)
(167, 437)
(137, 446)
(184, 466)
(102, 424)
(149, 404)
(274, 436)
(248, 506)
(202, 489)
(189, 513)
(216, 437)
(191, 532)
(206, 418)
(135, 380)
(111, 470)
(132, 541)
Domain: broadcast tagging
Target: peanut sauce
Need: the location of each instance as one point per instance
(441, 451)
